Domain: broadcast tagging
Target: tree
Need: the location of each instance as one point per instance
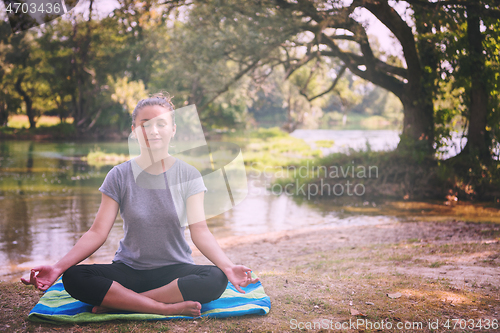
(468, 32)
(82, 56)
(210, 52)
(9, 102)
(22, 56)
(332, 26)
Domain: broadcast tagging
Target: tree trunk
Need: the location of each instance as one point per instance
(417, 89)
(27, 100)
(290, 124)
(417, 97)
(4, 115)
(418, 123)
(477, 138)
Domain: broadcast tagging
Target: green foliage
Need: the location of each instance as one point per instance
(98, 158)
(266, 133)
(61, 130)
(241, 65)
(381, 175)
(58, 131)
(269, 148)
(126, 93)
(227, 111)
(471, 180)
(324, 143)
(458, 64)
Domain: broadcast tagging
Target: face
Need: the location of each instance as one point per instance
(154, 128)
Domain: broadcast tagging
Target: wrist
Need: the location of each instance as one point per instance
(59, 269)
(228, 268)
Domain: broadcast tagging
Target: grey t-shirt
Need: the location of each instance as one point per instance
(153, 209)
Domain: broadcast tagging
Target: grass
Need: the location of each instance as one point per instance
(21, 121)
(324, 143)
(436, 264)
(98, 158)
(271, 149)
(46, 129)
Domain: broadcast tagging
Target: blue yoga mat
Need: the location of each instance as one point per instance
(57, 306)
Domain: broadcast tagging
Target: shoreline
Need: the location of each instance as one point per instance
(421, 232)
(226, 243)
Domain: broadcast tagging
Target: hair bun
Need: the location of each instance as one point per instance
(162, 95)
(161, 98)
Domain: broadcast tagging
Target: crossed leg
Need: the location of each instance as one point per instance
(166, 300)
(117, 286)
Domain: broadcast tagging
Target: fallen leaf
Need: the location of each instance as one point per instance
(355, 312)
(395, 295)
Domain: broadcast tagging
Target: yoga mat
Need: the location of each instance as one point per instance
(57, 306)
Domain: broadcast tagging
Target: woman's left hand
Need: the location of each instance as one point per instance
(240, 276)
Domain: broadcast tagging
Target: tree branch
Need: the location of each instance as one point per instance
(379, 78)
(293, 67)
(379, 64)
(334, 83)
(445, 3)
(391, 19)
(376, 70)
(226, 87)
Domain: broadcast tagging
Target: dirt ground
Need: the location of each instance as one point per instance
(481, 267)
(446, 270)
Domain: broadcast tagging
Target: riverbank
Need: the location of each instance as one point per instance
(432, 271)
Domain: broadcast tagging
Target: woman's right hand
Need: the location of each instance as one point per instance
(42, 277)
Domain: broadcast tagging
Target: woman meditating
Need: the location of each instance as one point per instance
(152, 271)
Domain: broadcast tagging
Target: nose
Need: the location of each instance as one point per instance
(153, 129)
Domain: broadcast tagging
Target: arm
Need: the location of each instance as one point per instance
(42, 277)
(240, 276)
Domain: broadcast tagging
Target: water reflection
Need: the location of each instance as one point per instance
(48, 198)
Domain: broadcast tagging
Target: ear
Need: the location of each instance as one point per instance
(174, 130)
(132, 135)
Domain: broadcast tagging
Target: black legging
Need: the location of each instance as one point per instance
(90, 283)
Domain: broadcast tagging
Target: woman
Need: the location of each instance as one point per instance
(152, 271)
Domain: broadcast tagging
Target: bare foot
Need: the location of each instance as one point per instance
(186, 308)
(100, 309)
